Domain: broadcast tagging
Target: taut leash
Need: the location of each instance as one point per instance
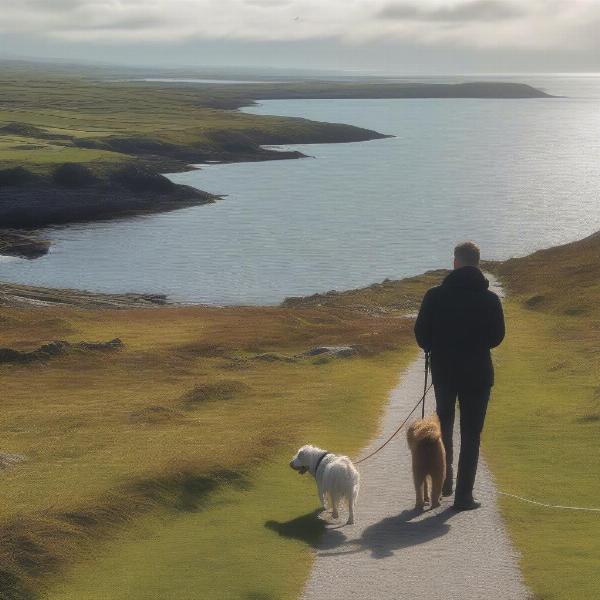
(426, 388)
(421, 401)
(427, 354)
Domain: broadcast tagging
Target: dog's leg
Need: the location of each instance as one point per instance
(350, 520)
(419, 480)
(322, 498)
(352, 503)
(334, 506)
(419, 485)
(426, 483)
(437, 481)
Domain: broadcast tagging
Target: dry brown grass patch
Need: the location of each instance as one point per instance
(219, 390)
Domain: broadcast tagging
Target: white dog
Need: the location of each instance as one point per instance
(337, 478)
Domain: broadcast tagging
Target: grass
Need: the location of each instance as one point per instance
(543, 428)
(49, 116)
(389, 296)
(253, 542)
(162, 468)
(57, 114)
(210, 554)
(178, 435)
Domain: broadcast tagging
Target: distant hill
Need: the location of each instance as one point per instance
(476, 89)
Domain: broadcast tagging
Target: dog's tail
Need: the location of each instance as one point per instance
(431, 435)
(426, 431)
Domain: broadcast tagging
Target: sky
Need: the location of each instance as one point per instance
(376, 36)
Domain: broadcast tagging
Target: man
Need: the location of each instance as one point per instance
(458, 323)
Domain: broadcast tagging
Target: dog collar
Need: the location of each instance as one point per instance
(320, 460)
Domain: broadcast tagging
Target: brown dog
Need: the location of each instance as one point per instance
(428, 459)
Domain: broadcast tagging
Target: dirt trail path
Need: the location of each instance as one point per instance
(393, 552)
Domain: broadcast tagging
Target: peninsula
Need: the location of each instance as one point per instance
(81, 144)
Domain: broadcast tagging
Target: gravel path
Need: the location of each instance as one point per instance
(393, 552)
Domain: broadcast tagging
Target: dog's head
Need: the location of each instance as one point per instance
(304, 459)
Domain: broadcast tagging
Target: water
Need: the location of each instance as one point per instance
(514, 175)
(218, 81)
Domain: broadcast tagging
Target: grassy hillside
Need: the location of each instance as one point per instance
(388, 297)
(162, 464)
(544, 423)
(104, 121)
(81, 146)
(49, 117)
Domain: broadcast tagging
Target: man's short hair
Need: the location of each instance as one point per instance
(467, 254)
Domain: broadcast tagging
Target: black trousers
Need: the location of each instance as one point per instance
(473, 407)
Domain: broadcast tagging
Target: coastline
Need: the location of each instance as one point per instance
(30, 201)
(56, 173)
(22, 244)
(132, 433)
(72, 193)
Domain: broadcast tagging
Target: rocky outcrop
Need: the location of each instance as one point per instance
(55, 348)
(26, 296)
(22, 245)
(333, 351)
(10, 460)
(73, 193)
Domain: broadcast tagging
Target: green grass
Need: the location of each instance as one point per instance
(251, 543)
(116, 448)
(136, 486)
(230, 550)
(63, 110)
(39, 160)
(542, 433)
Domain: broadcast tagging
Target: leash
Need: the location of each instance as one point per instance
(530, 501)
(426, 389)
(427, 354)
(421, 401)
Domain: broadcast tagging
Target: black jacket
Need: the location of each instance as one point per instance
(459, 322)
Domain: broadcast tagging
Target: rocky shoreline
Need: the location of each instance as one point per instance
(22, 244)
(43, 194)
(15, 295)
(73, 193)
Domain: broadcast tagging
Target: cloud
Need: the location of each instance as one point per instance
(476, 10)
(269, 3)
(509, 24)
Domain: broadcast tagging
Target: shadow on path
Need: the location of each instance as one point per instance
(398, 532)
(382, 539)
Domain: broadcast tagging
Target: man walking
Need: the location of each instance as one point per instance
(459, 321)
